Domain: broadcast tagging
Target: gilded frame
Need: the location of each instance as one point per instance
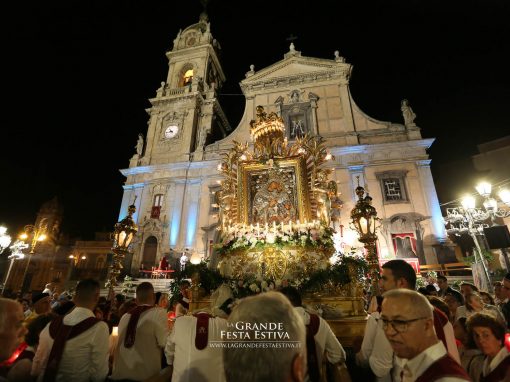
(248, 168)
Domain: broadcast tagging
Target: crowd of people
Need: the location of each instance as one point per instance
(436, 333)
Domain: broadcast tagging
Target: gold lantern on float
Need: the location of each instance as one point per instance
(364, 219)
(123, 234)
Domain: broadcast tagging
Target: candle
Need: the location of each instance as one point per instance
(115, 331)
(282, 226)
(258, 229)
(274, 226)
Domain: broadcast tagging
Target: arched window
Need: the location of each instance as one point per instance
(187, 77)
(156, 206)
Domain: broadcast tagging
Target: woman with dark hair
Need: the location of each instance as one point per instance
(20, 370)
(471, 357)
(489, 336)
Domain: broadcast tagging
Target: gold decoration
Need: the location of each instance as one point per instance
(273, 264)
(276, 194)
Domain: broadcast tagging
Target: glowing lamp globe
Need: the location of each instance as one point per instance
(125, 230)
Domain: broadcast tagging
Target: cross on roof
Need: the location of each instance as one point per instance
(291, 38)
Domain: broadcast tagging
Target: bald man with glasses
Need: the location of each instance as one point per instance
(408, 323)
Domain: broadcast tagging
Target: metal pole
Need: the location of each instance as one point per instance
(8, 274)
(26, 269)
(373, 265)
(505, 257)
(479, 250)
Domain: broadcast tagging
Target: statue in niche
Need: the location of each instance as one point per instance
(202, 136)
(139, 145)
(323, 194)
(407, 113)
(298, 129)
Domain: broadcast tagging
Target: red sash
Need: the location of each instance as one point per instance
(202, 330)
(60, 334)
(313, 363)
(444, 367)
(135, 313)
(499, 373)
(440, 320)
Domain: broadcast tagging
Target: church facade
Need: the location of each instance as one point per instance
(173, 177)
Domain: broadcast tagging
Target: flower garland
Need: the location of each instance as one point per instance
(242, 237)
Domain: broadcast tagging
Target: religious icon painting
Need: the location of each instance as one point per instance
(273, 193)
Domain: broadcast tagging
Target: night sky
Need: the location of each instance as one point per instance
(77, 76)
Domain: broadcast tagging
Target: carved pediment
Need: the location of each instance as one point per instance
(302, 67)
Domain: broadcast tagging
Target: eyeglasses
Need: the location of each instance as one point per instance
(400, 326)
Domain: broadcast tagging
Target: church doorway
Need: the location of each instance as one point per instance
(150, 250)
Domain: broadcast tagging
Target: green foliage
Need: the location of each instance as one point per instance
(487, 255)
(348, 269)
(128, 287)
(210, 279)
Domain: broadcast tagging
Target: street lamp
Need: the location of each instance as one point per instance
(123, 234)
(38, 235)
(364, 219)
(16, 254)
(472, 220)
(5, 239)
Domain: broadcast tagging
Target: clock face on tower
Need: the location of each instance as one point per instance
(171, 131)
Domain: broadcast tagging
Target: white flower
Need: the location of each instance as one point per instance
(264, 284)
(258, 290)
(278, 282)
(253, 287)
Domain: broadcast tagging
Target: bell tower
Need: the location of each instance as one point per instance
(185, 114)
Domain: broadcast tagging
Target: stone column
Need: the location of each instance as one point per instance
(431, 200)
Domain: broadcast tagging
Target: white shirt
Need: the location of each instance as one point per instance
(189, 363)
(85, 356)
(489, 367)
(143, 359)
(381, 361)
(325, 339)
(413, 368)
(368, 340)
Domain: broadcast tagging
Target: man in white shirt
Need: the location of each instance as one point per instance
(85, 356)
(325, 339)
(396, 274)
(408, 322)
(140, 345)
(193, 349)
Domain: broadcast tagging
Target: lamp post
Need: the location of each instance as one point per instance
(364, 218)
(16, 254)
(472, 220)
(5, 239)
(123, 234)
(38, 235)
